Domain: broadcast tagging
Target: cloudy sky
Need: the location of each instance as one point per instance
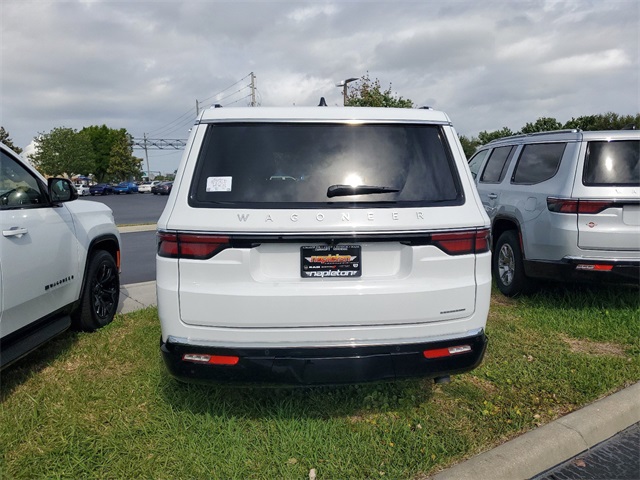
(142, 65)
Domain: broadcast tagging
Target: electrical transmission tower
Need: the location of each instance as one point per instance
(157, 144)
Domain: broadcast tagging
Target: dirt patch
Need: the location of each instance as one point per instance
(593, 348)
(482, 384)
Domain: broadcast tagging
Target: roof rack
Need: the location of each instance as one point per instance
(535, 134)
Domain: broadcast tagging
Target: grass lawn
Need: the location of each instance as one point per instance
(101, 405)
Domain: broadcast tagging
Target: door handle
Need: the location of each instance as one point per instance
(492, 196)
(14, 232)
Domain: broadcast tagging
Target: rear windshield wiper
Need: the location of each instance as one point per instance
(346, 190)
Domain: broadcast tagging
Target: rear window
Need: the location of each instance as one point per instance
(612, 163)
(294, 165)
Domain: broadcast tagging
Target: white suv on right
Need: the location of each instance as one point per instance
(563, 205)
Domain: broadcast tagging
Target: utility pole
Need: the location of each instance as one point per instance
(253, 90)
(343, 84)
(146, 155)
(197, 108)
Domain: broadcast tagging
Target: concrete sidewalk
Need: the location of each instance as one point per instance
(524, 457)
(137, 296)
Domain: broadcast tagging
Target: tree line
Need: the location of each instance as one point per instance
(100, 152)
(368, 93)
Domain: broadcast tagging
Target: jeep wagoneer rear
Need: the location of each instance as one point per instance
(322, 246)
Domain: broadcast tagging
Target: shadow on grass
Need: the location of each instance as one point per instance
(19, 372)
(296, 402)
(559, 294)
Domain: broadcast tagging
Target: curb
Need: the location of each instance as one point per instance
(137, 228)
(543, 448)
(136, 296)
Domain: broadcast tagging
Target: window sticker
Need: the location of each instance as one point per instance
(219, 184)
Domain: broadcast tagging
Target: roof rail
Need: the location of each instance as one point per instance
(534, 134)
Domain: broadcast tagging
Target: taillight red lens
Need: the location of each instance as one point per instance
(462, 243)
(566, 205)
(201, 247)
(167, 244)
(198, 247)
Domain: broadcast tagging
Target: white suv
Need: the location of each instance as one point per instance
(322, 246)
(564, 205)
(59, 260)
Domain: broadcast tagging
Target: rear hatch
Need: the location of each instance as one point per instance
(609, 195)
(326, 224)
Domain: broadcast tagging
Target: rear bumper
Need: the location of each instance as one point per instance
(324, 366)
(585, 270)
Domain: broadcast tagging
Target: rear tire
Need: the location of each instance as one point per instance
(101, 293)
(508, 265)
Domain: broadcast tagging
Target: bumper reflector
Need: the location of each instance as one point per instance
(210, 359)
(446, 352)
(595, 268)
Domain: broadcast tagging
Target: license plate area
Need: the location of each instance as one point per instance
(331, 261)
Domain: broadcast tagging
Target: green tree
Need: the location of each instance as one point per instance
(469, 145)
(4, 138)
(369, 93)
(606, 121)
(102, 140)
(63, 151)
(486, 137)
(122, 164)
(543, 124)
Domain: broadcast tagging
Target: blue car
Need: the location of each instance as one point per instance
(125, 187)
(100, 189)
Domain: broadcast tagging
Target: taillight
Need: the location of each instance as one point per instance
(462, 243)
(572, 205)
(190, 246)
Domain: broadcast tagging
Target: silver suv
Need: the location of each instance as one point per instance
(563, 205)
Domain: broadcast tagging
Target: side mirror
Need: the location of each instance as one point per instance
(61, 190)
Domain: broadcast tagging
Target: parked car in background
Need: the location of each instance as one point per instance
(163, 188)
(45, 290)
(323, 246)
(145, 187)
(82, 189)
(564, 205)
(125, 187)
(101, 189)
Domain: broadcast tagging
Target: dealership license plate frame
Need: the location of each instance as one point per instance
(331, 261)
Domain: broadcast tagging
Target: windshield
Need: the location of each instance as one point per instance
(310, 164)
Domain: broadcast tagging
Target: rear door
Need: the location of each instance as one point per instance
(608, 186)
(276, 194)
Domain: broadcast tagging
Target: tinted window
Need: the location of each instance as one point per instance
(287, 164)
(476, 162)
(612, 163)
(538, 162)
(497, 165)
(18, 187)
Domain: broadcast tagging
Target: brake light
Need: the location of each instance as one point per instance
(446, 352)
(462, 243)
(191, 246)
(572, 205)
